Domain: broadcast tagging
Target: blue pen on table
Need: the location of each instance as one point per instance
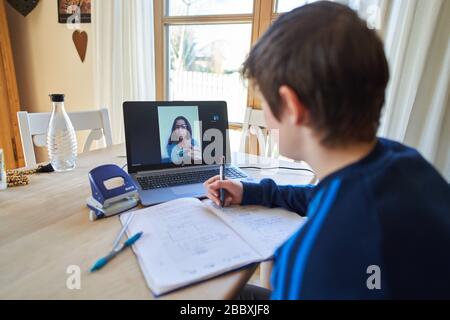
(222, 192)
(103, 261)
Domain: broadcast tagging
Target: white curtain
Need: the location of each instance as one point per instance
(124, 56)
(417, 110)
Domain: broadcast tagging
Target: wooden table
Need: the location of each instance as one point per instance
(44, 229)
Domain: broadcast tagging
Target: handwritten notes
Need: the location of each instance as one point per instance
(184, 242)
(264, 229)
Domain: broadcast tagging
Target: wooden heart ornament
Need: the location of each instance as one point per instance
(23, 6)
(80, 39)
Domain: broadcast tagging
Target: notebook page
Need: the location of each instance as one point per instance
(184, 242)
(265, 229)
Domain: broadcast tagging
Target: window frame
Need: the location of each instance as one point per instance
(260, 19)
(262, 16)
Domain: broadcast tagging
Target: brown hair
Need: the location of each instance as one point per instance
(335, 64)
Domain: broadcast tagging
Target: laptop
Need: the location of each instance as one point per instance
(173, 147)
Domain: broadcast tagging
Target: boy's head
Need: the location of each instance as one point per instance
(320, 68)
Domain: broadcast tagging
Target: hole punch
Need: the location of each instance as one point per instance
(113, 192)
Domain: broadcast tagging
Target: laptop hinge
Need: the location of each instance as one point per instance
(175, 170)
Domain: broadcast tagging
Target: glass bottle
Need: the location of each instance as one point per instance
(61, 138)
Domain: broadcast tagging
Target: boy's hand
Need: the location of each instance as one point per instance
(234, 190)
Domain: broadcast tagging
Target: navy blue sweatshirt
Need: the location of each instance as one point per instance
(377, 229)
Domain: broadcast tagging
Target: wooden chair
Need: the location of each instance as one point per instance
(33, 130)
(255, 125)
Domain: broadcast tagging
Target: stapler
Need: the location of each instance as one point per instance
(106, 202)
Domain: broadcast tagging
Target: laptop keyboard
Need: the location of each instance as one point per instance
(178, 179)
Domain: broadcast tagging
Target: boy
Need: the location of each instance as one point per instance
(379, 220)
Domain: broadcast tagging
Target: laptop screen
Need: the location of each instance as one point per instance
(163, 135)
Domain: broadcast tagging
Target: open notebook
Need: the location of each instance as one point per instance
(188, 240)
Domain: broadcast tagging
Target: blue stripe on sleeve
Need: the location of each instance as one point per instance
(281, 266)
(308, 241)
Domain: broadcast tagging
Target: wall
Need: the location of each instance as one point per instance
(46, 61)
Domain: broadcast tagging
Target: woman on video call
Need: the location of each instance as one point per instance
(181, 147)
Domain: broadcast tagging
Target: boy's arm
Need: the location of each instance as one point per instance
(269, 194)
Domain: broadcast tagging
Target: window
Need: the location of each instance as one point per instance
(204, 63)
(200, 46)
(207, 7)
(369, 10)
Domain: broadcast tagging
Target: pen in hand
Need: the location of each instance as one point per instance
(222, 192)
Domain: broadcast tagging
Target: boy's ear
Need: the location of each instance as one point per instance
(294, 108)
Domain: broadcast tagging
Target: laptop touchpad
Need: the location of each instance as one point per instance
(188, 190)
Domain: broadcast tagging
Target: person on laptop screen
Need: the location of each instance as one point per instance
(181, 146)
(378, 222)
